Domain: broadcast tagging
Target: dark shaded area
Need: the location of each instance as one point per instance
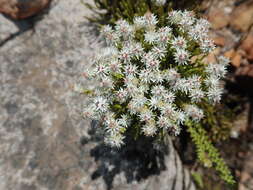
(138, 160)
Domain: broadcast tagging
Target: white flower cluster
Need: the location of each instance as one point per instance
(159, 2)
(146, 77)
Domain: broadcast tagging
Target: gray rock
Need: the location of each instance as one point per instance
(44, 142)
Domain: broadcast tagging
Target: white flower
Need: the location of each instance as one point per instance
(212, 81)
(89, 112)
(158, 90)
(172, 75)
(146, 115)
(145, 76)
(179, 43)
(101, 70)
(168, 110)
(106, 82)
(136, 50)
(131, 69)
(151, 37)
(115, 140)
(158, 52)
(111, 37)
(125, 55)
(218, 70)
(164, 122)
(175, 17)
(151, 21)
(139, 22)
(101, 104)
(159, 2)
(112, 125)
(122, 95)
(195, 81)
(181, 56)
(124, 28)
(156, 76)
(179, 116)
(154, 102)
(183, 85)
(115, 66)
(169, 97)
(187, 20)
(207, 45)
(152, 64)
(214, 94)
(139, 101)
(194, 112)
(124, 121)
(149, 129)
(164, 35)
(223, 60)
(196, 95)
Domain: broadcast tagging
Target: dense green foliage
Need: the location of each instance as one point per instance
(109, 11)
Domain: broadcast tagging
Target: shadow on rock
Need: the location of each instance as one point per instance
(25, 25)
(137, 160)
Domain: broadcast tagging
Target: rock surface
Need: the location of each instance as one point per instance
(242, 17)
(44, 142)
(19, 9)
(247, 46)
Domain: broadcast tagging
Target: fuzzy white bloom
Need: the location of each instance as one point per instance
(214, 94)
(179, 43)
(158, 90)
(131, 69)
(218, 70)
(124, 121)
(172, 75)
(175, 17)
(136, 50)
(182, 85)
(139, 22)
(168, 97)
(158, 52)
(196, 95)
(101, 104)
(151, 37)
(152, 64)
(168, 110)
(146, 115)
(212, 81)
(144, 76)
(149, 129)
(115, 140)
(194, 112)
(151, 21)
(159, 2)
(164, 122)
(122, 95)
(164, 35)
(179, 116)
(111, 37)
(124, 29)
(154, 102)
(157, 77)
(181, 56)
